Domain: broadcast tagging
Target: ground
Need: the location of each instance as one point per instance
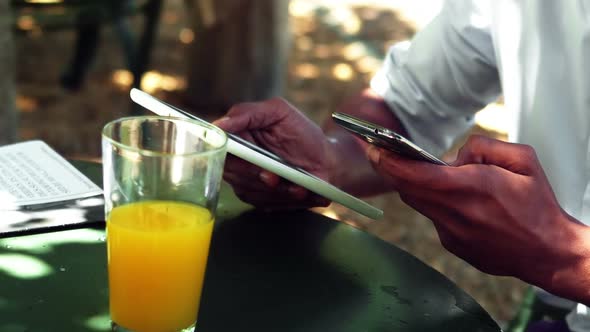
(335, 51)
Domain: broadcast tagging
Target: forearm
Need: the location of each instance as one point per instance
(566, 267)
(351, 170)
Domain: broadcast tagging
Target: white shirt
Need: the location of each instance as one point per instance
(535, 52)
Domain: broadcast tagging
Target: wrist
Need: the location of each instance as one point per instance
(566, 267)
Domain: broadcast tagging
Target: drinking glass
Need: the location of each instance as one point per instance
(162, 178)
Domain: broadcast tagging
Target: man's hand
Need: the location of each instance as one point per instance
(278, 127)
(495, 209)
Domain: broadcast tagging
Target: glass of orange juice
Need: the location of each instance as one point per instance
(161, 184)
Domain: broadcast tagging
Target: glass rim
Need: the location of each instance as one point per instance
(152, 153)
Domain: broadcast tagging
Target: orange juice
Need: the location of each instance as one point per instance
(157, 253)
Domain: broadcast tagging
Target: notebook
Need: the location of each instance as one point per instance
(41, 191)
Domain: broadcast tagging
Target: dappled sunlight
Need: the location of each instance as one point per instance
(26, 104)
(355, 51)
(420, 12)
(26, 22)
(98, 322)
(301, 9)
(343, 72)
(170, 17)
(345, 18)
(58, 278)
(303, 26)
(186, 36)
(368, 65)
(153, 81)
(306, 71)
(340, 213)
(31, 244)
(304, 43)
(369, 14)
(338, 46)
(122, 79)
(24, 266)
(45, 1)
(329, 212)
(322, 51)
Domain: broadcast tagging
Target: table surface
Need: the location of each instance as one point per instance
(279, 271)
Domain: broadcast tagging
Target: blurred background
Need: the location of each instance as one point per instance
(74, 61)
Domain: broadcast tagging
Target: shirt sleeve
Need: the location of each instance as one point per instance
(438, 81)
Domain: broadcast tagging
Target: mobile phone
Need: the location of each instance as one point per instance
(384, 138)
(265, 159)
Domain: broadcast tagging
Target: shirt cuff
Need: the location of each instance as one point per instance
(426, 128)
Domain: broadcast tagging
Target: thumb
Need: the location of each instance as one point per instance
(517, 158)
(223, 123)
(253, 115)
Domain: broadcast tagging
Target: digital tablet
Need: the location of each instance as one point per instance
(384, 138)
(265, 159)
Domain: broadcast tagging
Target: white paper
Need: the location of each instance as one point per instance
(33, 173)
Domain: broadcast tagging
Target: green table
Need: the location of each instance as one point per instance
(279, 271)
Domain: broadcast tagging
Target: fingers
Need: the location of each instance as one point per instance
(517, 158)
(277, 202)
(270, 179)
(400, 170)
(285, 195)
(254, 184)
(240, 170)
(405, 173)
(452, 227)
(253, 115)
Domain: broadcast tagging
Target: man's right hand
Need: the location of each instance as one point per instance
(280, 128)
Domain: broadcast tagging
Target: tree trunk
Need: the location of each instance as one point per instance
(239, 53)
(8, 113)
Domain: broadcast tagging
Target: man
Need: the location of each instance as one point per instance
(495, 207)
